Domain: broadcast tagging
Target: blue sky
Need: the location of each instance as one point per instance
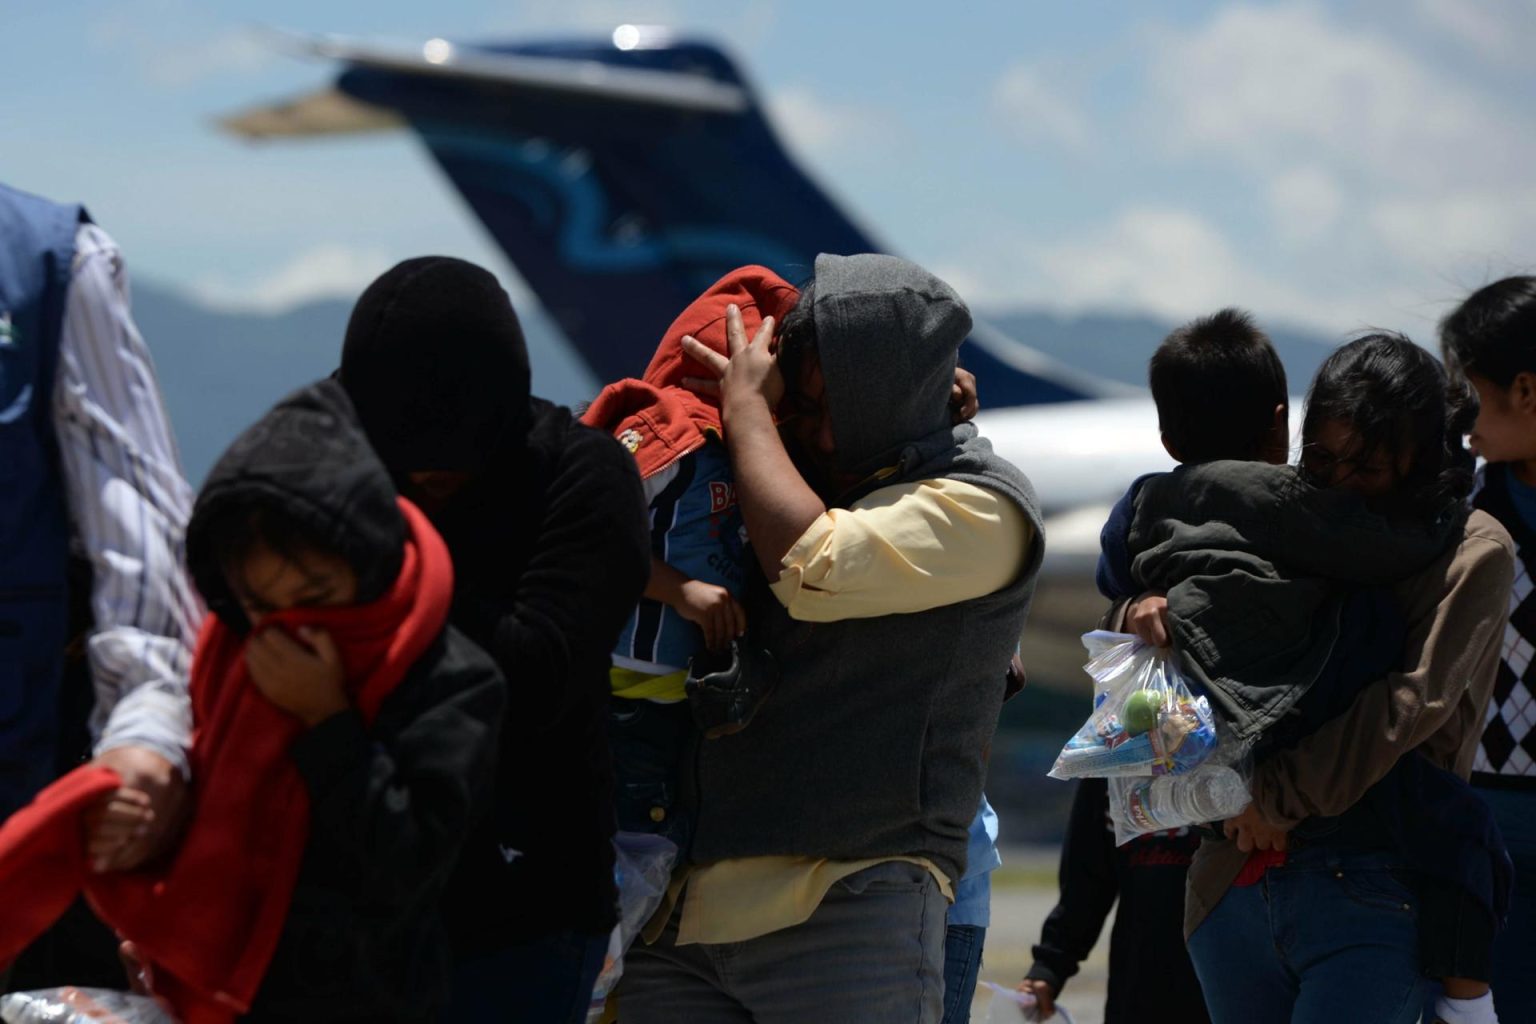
(1329, 165)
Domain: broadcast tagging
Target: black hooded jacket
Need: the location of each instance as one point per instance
(391, 805)
(551, 551)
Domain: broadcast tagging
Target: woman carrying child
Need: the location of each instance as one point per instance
(1328, 930)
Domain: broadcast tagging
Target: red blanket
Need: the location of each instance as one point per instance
(207, 920)
(657, 418)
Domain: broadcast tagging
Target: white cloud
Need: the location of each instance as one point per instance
(1262, 85)
(1168, 261)
(1500, 31)
(1304, 203)
(171, 44)
(1033, 104)
(236, 52)
(323, 272)
(1493, 226)
(815, 125)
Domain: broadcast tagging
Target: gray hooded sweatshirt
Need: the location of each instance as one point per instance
(872, 745)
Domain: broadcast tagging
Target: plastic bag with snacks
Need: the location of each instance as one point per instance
(1146, 720)
(71, 1005)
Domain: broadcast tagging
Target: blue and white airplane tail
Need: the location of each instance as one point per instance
(622, 178)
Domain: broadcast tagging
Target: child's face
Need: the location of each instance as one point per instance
(1505, 430)
(268, 582)
(1332, 458)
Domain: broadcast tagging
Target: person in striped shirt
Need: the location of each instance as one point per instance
(100, 443)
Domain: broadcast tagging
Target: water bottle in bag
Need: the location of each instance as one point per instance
(1142, 805)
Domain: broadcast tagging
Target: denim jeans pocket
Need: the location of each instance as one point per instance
(896, 876)
(1380, 889)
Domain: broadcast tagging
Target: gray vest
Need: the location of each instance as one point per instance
(872, 745)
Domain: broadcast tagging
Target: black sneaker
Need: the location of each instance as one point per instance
(725, 688)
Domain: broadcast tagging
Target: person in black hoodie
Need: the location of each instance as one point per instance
(319, 574)
(1150, 976)
(546, 522)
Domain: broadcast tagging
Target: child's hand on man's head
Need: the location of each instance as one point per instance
(964, 403)
(308, 682)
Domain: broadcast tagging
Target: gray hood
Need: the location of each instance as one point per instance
(886, 334)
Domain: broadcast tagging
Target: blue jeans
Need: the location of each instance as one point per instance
(1514, 987)
(1331, 936)
(962, 965)
(546, 981)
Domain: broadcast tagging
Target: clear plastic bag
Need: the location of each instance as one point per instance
(642, 867)
(1140, 806)
(1011, 1007)
(71, 1005)
(1146, 720)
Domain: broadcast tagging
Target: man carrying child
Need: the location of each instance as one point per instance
(897, 557)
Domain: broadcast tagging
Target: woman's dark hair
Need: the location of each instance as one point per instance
(1398, 400)
(1493, 333)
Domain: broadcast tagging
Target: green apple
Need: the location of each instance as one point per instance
(1140, 712)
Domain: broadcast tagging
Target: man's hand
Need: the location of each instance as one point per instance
(1147, 617)
(1045, 996)
(714, 610)
(139, 820)
(751, 370)
(308, 682)
(1252, 831)
(963, 401)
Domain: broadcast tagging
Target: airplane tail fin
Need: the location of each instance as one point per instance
(623, 182)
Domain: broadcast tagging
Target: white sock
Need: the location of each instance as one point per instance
(1466, 1011)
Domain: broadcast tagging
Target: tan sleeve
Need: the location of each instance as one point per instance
(1455, 626)
(905, 548)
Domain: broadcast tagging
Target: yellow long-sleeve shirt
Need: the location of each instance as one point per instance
(901, 549)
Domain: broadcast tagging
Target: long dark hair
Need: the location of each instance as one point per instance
(1398, 400)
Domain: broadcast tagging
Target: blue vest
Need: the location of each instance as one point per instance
(37, 246)
(695, 528)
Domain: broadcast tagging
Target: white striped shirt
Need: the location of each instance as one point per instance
(129, 502)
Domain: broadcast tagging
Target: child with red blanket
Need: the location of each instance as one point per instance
(344, 740)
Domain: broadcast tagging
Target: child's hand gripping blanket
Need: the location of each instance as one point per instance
(1257, 564)
(207, 921)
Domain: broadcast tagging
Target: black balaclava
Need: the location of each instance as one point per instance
(435, 362)
(307, 458)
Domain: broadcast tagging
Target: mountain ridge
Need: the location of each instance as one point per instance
(220, 369)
